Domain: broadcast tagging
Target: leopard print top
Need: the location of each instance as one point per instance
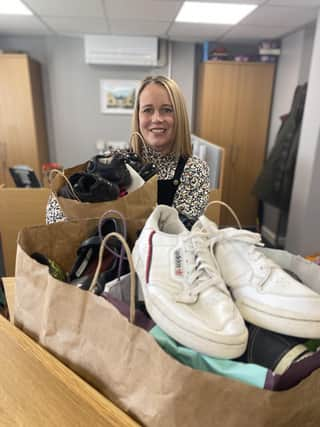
(192, 194)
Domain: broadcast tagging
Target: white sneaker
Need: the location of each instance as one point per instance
(266, 295)
(183, 291)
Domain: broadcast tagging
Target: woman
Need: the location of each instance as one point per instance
(161, 135)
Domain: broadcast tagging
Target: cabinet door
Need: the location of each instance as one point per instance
(233, 111)
(17, 110)
(216, 112)
(4, 178)
(249, 139)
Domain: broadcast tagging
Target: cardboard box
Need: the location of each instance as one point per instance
(19, 207)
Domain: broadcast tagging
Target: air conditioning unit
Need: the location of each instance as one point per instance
(120, 50)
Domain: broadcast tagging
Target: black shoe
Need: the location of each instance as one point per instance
(132, 159)
(113, 170)
(94, 188)
(84, 268)
(272, 350)
(148, 170)
(66, 191)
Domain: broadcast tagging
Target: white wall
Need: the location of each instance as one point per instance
(293, 69)
(286, 80)
(71, 90)
(183, 71)
(305, 63)
(303, 234)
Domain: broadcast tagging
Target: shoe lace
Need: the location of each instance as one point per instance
(201, 268)
(261, 262)
(253, 240)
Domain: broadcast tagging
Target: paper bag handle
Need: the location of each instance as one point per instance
(219, 202)
(131, 266)
(58, 172)
(138, 134)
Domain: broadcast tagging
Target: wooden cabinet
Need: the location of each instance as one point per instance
(233, 108)
(23, 137)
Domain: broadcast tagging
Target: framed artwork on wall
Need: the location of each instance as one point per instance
(118, 96)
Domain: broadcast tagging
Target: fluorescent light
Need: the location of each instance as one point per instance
(13, 7)
(214, 13)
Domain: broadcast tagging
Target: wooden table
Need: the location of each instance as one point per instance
(38, 390)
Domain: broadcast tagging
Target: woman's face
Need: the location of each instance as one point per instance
(156, 118)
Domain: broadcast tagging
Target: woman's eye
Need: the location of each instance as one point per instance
(167, 110)
(147, 110)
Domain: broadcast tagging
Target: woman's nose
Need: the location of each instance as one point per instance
(156, 116)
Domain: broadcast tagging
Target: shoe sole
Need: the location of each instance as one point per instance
(183, 336)
(280, 324)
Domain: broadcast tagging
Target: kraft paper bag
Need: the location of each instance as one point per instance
(135, 205)
(124, 362)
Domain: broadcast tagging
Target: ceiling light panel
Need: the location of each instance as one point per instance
(214, 13)
(13, 7)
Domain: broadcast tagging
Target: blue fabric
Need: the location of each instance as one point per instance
(245, 372)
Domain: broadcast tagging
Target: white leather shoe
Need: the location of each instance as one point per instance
(183, 291)
(265, 294)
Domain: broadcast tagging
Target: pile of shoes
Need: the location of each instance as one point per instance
(205, 286)
(106, 177)
(113, 265)
(215, 292)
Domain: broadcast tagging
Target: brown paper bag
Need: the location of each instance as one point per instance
(124, 362)
(136, 205)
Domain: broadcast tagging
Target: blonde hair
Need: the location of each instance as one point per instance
(182, 138)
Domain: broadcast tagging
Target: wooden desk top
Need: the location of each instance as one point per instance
(38, 390)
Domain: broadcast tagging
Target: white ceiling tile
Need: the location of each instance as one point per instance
(77, 25)
(139, 28)
(196, 32)
(250, 32)
(146, 9)
(19, 24)
(272, 19)
(295, 3)
(280, 16)
(66, 7)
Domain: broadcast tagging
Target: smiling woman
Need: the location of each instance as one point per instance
(161, 135)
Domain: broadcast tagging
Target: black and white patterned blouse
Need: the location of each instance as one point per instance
(192, 194)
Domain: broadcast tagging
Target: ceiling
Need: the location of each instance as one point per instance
(272, 19)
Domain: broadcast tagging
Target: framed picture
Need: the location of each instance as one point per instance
(118, 96)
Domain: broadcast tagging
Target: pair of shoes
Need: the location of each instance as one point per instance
(200, 285)
(183, 290)
(88, 187)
